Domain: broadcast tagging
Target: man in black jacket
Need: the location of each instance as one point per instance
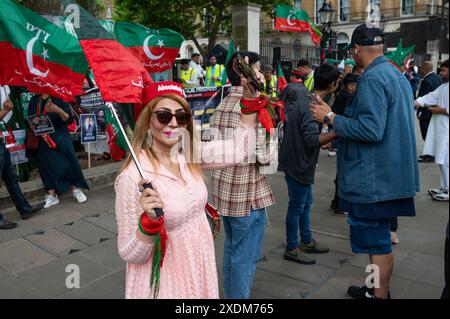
(430, 82)
(290, 95)
(298, 157)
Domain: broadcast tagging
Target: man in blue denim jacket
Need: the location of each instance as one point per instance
(377, 167)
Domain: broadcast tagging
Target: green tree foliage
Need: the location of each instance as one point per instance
(187, 16)
(94, 7)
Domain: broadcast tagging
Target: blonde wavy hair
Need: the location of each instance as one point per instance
(139, 140)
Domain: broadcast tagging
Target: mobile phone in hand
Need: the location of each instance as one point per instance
(312, 97)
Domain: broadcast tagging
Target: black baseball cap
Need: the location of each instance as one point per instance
(365, 35)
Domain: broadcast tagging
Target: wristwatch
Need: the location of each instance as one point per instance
(326, 119)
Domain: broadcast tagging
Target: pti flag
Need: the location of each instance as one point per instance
(119, 75)
(38, 54)
(155, 49)
(231, 51)
(290, 19)
(116, 141)
(282, 83)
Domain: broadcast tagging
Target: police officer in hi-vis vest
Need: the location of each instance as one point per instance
(214, 72)
(188, 74)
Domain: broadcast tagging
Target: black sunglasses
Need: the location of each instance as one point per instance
(164, 117)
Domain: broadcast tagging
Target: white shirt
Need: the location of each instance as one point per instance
(437, 141)
(198, 69)
(4, 95)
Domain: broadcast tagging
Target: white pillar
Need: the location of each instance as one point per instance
(246, 21)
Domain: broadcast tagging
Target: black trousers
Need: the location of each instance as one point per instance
(447, 270)
(424, 128)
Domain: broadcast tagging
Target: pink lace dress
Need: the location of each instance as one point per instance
(189, 269)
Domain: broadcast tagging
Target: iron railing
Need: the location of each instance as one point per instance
(287, 52)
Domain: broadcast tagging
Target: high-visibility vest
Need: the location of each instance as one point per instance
(217, 74)
(309, 82)
(273, 84)
(186, 75)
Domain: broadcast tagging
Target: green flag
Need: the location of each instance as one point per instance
(38, 54)
(231, 51)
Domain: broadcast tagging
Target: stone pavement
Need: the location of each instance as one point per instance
(34, 256)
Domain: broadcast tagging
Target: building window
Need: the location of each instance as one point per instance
(298, 4)
(189, 52)
(319, 4)
(407, 7)
(375, 3)
(344, 10)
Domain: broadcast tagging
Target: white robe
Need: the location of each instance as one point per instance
(437, 141)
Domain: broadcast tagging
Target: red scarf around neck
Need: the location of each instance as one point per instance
(260, 105)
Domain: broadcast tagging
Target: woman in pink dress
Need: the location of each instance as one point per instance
(189, 265)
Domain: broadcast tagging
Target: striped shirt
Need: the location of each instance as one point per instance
(238, 189)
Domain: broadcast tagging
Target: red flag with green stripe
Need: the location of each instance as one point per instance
(116, 141)
(282, 83)
(290, 19)
(119, 75)
(38, 54)
(155, 49)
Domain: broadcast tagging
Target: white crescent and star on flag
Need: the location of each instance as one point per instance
(291, 17)
(29, 56)
(149, 53)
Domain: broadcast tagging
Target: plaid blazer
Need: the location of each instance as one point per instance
(238, 189)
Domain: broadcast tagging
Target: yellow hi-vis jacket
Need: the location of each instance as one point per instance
(188, 76)
(218, 69)
(309, 82)
(273, 85)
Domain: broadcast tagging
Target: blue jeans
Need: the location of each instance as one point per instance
(242, 250)
(297, 217)
(9, 177)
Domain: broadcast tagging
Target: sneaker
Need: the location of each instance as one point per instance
(313, 248)
(79, 196)
(394, 238)
(298, 256)
(51, 201)
(332, 153)
(363, 293)
(435, 191)
(441, 197)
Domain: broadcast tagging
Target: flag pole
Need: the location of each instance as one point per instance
(122, 131)
(159, 211)
(89, 155)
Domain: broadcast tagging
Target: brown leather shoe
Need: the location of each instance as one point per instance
(6, 224)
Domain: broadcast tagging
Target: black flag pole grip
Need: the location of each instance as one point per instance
(159, 212)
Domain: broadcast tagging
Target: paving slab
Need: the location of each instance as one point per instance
(105, 254)
(56, 242)
(312, 274)
(276, 286)
(105, 221)
(50, 279)
(20, 231)
(52, 217)
(422, 268)
(111, 286)
(12, 288)
(85, 232)
(19, 255)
